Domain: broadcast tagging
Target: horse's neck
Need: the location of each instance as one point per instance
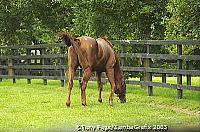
(117, 71)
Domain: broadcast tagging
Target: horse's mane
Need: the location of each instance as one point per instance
(68, 39)
(106, 39)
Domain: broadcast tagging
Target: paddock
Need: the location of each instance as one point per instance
(33, 99)
(38, 107)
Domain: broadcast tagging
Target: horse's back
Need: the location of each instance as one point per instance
(108, 54)
(88, 47)
(97, 54)
(105, 45)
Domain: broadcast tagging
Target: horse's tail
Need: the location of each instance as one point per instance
(106, 39)
(68, 39)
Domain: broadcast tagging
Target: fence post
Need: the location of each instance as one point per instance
(0, 65)
(10, 70)
(179, 76)
(141, 79)
(28, 52)
(0, 72)
(122, 51)
(43, 50)
(164, 78)
(142, 76)
(12, 61)
(148, 75)
(62, 72)
(188, 76)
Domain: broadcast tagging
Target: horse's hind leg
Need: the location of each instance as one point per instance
(70, 85)
(72, 64)
(110, 75)
(86, 77)
(98, 76)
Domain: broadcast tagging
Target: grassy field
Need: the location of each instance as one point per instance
(42, 108)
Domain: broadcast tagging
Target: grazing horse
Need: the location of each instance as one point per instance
(94, 55)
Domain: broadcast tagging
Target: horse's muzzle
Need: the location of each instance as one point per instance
(123, 100)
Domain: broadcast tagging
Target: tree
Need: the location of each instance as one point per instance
(124, 19)
(27, 21)
(183, 21)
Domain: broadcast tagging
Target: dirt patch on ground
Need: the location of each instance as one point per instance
(177, 109)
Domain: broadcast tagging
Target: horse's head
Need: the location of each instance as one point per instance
(120, 90)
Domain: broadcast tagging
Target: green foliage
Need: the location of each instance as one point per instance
(183, 21)
(24, 21)
(123, 19)
(27, 21)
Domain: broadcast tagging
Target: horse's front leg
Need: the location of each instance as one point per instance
(84, 81)
(99, 84)
(110, 75)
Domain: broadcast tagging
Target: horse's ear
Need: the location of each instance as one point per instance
(104, 37)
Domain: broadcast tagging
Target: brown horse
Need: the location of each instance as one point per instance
(94, 55)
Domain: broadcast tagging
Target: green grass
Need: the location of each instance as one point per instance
(38, 107)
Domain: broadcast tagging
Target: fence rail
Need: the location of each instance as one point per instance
(49, 61)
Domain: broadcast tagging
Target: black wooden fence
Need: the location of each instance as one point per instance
(49, 61)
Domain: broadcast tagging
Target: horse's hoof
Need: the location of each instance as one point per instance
(110, 103)
(68, 105)
(83, 104)
(100, 100)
